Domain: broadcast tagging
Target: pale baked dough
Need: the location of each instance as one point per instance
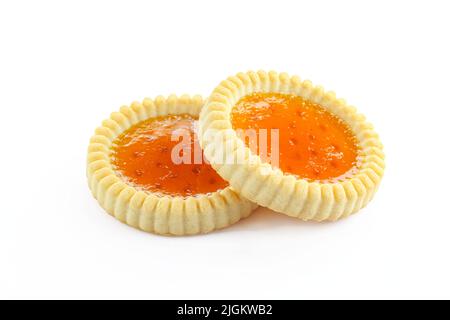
(150, 212)
(270, 187)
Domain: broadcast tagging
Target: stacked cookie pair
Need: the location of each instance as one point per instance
(183, 166)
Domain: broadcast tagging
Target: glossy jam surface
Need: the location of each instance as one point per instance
(313, 143)
(143, 156)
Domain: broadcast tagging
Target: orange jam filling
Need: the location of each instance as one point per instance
(142, 155)
(313, 143)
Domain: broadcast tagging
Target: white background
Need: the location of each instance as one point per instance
(64, 66)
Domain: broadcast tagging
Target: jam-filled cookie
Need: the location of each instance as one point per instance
(146, 168)
(321, 159)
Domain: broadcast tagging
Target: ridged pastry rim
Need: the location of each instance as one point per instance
(270, 187)
(165, 215)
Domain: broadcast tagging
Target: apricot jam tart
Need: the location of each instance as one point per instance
(132, 173)
(329, 159)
